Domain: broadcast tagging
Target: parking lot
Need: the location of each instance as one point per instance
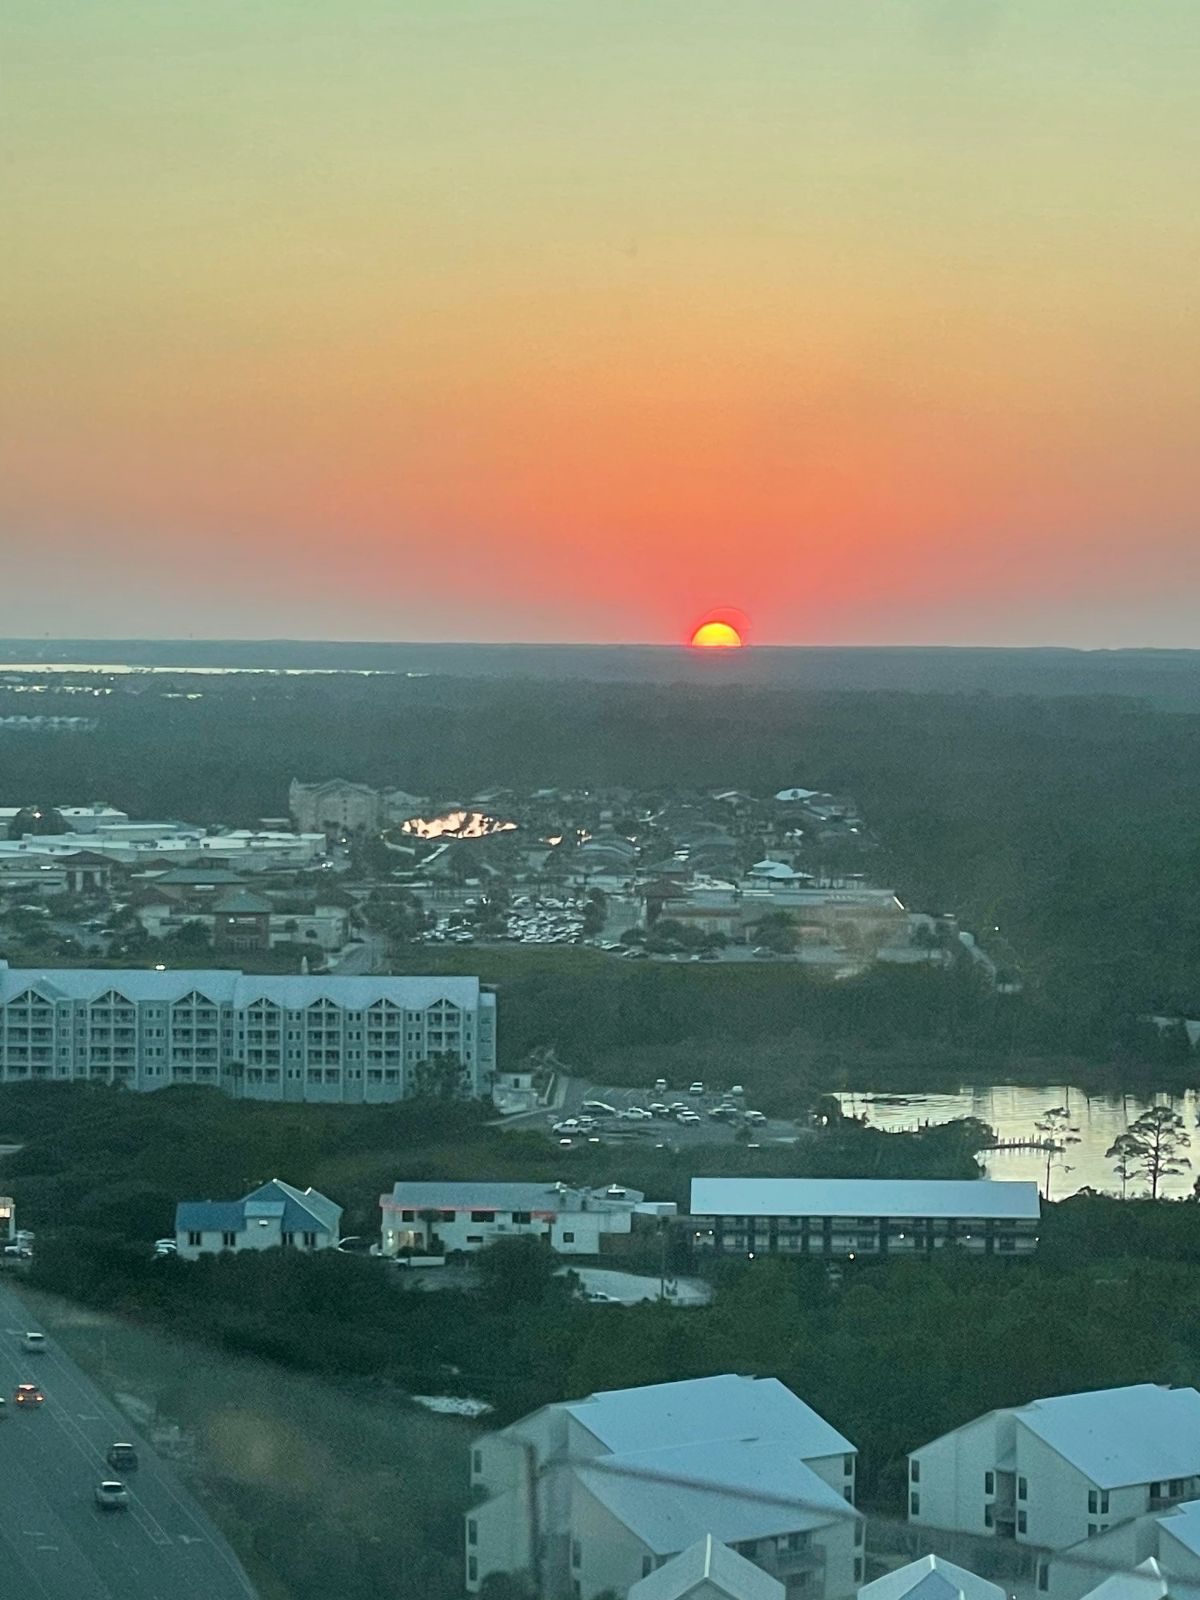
(701, 1125)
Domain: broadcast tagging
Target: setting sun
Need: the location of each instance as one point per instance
(716, 636)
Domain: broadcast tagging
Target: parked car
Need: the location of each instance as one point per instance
(122, 1457)
(736, 1092)
(3, 1408)
(597, 1297)
(28, 1394)
(34, 1341)
(660, 1086)
(635, 1113)
(687, 1116)
(20, 1252)
(599, 1108)
(696, 1088)
(570, 1125)
(112, 1496)
(754, 1117)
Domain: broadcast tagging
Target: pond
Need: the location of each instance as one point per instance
(1014, 1112)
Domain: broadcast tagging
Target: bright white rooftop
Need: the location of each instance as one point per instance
(865, 1197)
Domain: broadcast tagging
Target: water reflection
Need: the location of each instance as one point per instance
(1014, 1112)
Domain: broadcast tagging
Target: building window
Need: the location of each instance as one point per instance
(522, 1216)
(914, 1471)
(483, 1216)
(1043, 1576)
(914, 1505)
(858, 1569)
(568, 1238)
(472, 1569)
(472, 1531)
(1093, 1501)
(576, 1553)
(408, 1216)
(989, 1483)
(477, 1461)
(1175, 1488)
(228, 1240)
(1022, 1520)
(848, 1466)
(474, 1238)
(989, 1516)
(1022, 1488)
(1091, 1530)
(194, 1238)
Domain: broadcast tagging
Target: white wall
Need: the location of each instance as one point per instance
(611, 1556)
(951, 1482)
(1057, 1505)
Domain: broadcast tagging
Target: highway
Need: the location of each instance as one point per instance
(55, 1544)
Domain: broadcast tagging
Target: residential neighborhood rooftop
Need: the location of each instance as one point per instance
(703, 1566)
(1140, 1434)
(931, 1578)
(697, 1410)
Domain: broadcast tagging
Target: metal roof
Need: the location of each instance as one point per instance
(700, 1410)
(1116, 1437)
(1183, 1523)
(864, 1197)
(734, 1489)
(1145, 1582)
(240, 989)
(209, 1216)
(931, 1578)
(713, 1564)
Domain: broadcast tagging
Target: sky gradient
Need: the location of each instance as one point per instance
(573, 319)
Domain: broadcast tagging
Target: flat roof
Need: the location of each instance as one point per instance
(864, 1197)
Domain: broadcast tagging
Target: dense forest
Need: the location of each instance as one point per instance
(1068, 823)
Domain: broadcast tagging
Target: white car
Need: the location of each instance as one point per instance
(636, 1113)
(571, 1125)
(34, 1341)
(696, 1088)
(599, 1108)
(687, 1116)
(756, 1118)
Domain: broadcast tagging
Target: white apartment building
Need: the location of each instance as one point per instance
(1164, 1547)
(600, 1493)
(272, 1217)
(439, 1218)
(1057, 1472)
(851, 1217)
(333, 1040)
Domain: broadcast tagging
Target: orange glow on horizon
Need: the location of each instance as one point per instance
(716, 636)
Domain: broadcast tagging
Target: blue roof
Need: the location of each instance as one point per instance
(208, 1216)
(297, 1211)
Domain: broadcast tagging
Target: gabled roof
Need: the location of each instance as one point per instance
(1143, 1583)
(1139, 1434)
(1183, 1523)
(931, 1578)
(301, 1207)
(710, 1563)
(699, 1410)
(735, 1489)
(295, 1210)
(209, 1216)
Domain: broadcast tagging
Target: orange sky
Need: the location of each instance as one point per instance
(520, 320)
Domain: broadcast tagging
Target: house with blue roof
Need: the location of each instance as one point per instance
(272, 1217)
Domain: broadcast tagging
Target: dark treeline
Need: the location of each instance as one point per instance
(1069, 824)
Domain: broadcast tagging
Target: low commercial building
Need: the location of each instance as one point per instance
(599, 1494)
(271, 1217)
(849, 1217)
(441, 1218)
(1060, 1471)
(328, 1039)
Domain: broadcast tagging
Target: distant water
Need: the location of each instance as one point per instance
(1014, 1112)
(1169, 678)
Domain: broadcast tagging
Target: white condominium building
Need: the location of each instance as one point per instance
(325, 1039)
(1056, 1472)
(592, 1497)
